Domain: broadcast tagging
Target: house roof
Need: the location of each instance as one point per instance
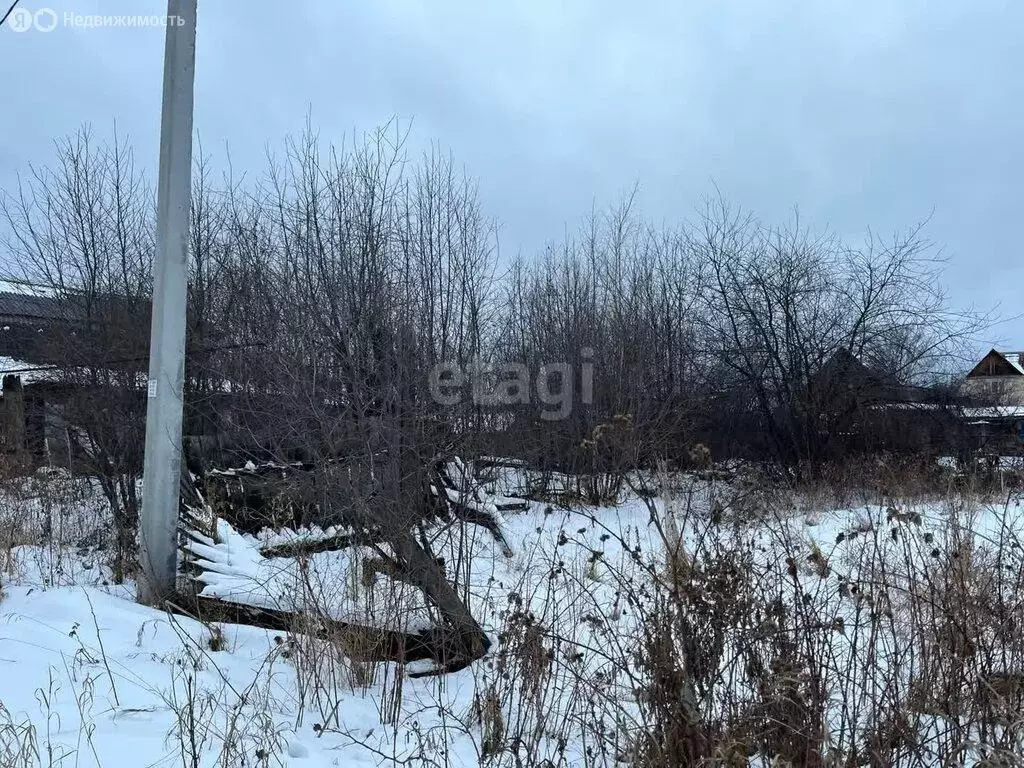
(845, 372)
(846, 367)
(1014, 358)
(28, 304)
(26, 371)
(1009, 363)
(988, 412)
(30, 307)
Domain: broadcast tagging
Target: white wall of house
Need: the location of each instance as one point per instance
(999, 390)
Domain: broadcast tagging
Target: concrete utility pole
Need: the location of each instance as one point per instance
(161, 473)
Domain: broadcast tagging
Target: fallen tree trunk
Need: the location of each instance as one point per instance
(359, 642)
(424, 571)
(453, 646)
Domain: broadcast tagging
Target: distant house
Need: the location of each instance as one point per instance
(845, 382)
(49, 349)
(862, 408)
(65, 359)
(30, 427)
(997, 379)
(29, 324)
(994, 407)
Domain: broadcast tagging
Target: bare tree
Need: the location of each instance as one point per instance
(614, 305)
(83, 228)
(358, 273)
(783, 303)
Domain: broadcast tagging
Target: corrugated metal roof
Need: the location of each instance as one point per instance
(23, 305)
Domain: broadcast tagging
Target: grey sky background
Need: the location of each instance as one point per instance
(873, 113)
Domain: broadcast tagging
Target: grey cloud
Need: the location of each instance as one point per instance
(862, 113)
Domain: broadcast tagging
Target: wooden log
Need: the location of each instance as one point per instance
(358, 642)
(460, 497)
(424, 571)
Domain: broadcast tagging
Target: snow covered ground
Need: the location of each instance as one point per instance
(91, 678)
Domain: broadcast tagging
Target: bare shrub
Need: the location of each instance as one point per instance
(54, 528)
(718, 639)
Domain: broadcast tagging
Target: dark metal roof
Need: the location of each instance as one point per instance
(29, 307)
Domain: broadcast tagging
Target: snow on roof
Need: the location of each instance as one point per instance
(24, 287)
(994, 412)
(31, 372)
(1014, 359)
(27, 371)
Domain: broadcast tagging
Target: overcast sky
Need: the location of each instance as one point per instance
(866, 113)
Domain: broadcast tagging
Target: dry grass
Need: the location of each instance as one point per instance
(53, 525)
(715, 635)
(897, 646)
